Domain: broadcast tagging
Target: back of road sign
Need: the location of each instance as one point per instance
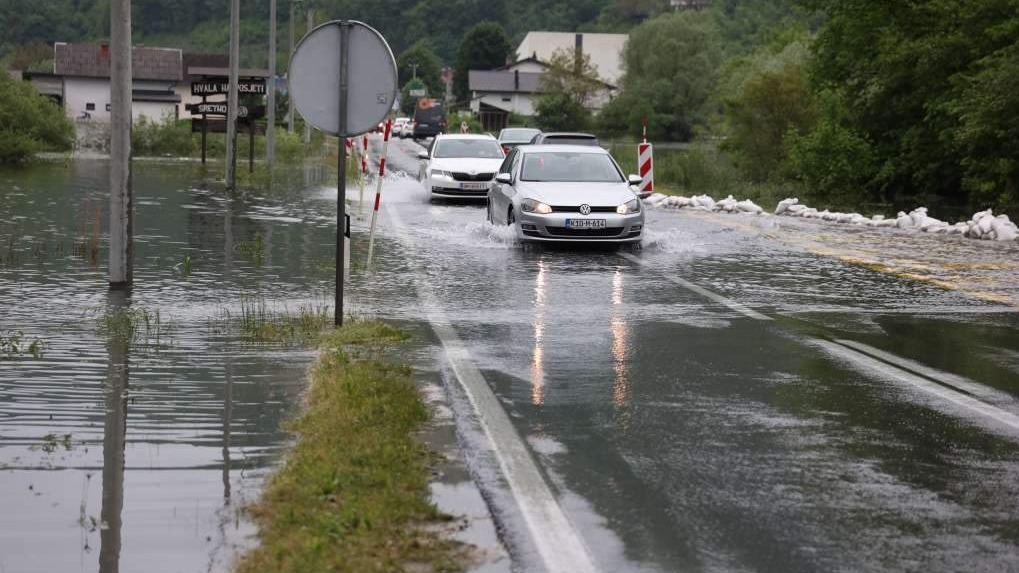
(314, 78)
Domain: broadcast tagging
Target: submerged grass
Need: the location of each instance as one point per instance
(352, 495)
(262, 323)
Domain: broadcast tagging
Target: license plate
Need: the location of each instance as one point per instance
(474, 186)
(585, 223)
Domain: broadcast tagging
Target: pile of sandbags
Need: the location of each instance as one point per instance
(704, 203)
(983, 225)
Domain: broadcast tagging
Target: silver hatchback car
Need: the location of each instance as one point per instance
(566, 193)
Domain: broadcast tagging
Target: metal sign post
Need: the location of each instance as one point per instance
(343, 98)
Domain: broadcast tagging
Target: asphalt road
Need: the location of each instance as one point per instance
(724, 400)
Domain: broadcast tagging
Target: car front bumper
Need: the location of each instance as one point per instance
(448, 188)
(552, 228)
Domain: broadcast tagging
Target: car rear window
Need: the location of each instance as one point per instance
(571, 140)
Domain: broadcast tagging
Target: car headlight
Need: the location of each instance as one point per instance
(629, 207)
(532, 206)
(442, 174)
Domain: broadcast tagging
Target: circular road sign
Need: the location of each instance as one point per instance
(314, 77)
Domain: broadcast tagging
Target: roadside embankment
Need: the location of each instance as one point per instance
(352, 494)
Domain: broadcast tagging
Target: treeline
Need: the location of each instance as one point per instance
(846, 101)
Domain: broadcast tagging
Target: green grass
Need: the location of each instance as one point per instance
(262, 323)
(703, 170)
(352, 495)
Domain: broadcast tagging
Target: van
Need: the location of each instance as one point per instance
(429, 118)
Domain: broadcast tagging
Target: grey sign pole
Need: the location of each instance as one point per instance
(341, 168)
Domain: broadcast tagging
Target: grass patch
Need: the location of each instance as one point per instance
(352, 495)
(262, 323)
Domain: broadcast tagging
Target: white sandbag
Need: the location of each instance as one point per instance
(903, 221)
(785, 204)
(748, 206)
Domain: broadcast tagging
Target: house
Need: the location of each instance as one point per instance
(515, 88)
(605, 50)
(85, 71)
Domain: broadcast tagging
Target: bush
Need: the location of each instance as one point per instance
(30, 123)
(833, 161)
(560, 112)
(168, 137)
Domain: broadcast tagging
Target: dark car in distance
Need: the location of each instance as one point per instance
(429, 119)
(564, 138)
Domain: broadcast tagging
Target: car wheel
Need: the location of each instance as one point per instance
(488, 212)
(510, 217)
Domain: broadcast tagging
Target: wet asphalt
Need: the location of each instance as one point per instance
(861, 422)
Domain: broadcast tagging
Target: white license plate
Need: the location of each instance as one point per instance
(585, 223)
(474, 186)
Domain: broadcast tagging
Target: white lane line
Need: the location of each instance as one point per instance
(958, 382)
(560, 546)
(740, 308)
(1001, 420)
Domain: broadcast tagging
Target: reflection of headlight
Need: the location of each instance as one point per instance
(629, 207)
(442, 174)
(532, 206)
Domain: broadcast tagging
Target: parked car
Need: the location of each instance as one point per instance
(399, 124)
(460, 165)
(429, 118)
(563, 138)
(512, 137)
(563, 193)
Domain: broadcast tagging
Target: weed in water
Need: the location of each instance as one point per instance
(129, 326)
(262, 323)
(253, 250)
(14, 343)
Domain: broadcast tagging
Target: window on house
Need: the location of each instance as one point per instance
(108, 107)
(505, 98)
(90, 106)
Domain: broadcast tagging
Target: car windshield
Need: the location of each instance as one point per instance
(518, 134)
(468, 148)
(566, 167)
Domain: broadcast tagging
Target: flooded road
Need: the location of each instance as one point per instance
(735, 396)
(738, 396)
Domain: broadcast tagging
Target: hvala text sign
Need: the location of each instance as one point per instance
(222, 87)
(219, 108)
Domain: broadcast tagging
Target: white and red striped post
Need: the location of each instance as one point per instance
(364, 168)
(378, 190)
(645, 166)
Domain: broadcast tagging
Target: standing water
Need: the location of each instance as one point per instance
(134, 426)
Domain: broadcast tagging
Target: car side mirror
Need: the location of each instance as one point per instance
(634, 179)
(423, 155)
(504, 178)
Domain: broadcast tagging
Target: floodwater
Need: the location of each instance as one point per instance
(140, 455)
(832, 408)
(858, 418)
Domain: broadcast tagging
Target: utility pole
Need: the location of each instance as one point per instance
(270, 128)
(121, 264)
(307, 126)
(290, 54)
(414, 70)
(231, 101)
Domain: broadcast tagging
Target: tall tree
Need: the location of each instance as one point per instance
(484, 46)
(421, 62)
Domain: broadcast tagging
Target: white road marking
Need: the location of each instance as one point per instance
(738, 307)
(958, 382)
(1000, 419)
(560, 546)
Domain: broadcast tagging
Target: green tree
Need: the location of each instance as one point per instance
(671, 67)
(428, 66)
(559, 111)
(29, 123)
(407, 101)
(563, 75)
(485, 46)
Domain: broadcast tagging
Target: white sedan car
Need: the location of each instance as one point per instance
(400, 124)
(566, 193)
(460, 166)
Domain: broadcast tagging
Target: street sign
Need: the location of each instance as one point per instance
(219, 108)
(420, 92)
(222, 86)
(343, 81)
(315, 77)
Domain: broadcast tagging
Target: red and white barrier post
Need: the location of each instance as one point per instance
(645, 166)
(378, 190)
(364, 168)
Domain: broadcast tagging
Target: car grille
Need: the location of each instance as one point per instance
(468, 177)
(460, 192)
(567, 232)
(576, 209)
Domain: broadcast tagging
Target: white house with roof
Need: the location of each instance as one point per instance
(85, 72)
(516, 87)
